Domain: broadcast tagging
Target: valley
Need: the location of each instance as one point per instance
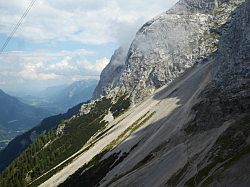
(171, 110)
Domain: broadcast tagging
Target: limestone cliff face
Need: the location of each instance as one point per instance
(111, 73)
(193, 132)
(226, 102)
(227, 96)
(165, 47)
(233, 54)
(204, 6)
(212, 147)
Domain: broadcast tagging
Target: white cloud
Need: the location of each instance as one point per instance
(59, 21)
(47, 54)
(101, 64)
(31, 71)
(64, 64)
(87, 21)
(42, 66)
(96, 66)
(2, 83)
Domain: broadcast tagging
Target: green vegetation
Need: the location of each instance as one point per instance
(143, 162)
(52, 148)
(137, 124)
(21, 142)
(121, 105)
(95, 170)
(51, 172)
(176, 178)
(103, 132)
(42, 158)
(19, 171)
(149, 157)
(58, 144)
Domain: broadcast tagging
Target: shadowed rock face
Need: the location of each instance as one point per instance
(227, 96)
(199, 133)
(204, 141)
(165, 47)
(111, 73)
(224, 104)
(212, 147)
(194, 131)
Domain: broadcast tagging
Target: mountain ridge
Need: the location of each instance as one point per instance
(58, 99)
(186, 126)
(17, 117)
(183, 39)
(79, 179)
(21, 142)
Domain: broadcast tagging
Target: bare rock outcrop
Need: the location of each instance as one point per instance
(165, 47)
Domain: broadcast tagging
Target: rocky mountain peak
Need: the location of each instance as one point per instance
(201, 6)
(165, 47)
(192, 133)
(2, 93)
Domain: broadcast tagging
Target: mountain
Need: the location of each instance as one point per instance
(164, 48)
(54, 97)
(114, 68)
(16, 117)
(198, 132)
(58, 99)
(75, 93)
(21, 142)
(176, 113)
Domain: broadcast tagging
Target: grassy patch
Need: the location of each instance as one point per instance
(143, 162)
(137, 124)
(33, 162)
(120, 106)
(93, 172)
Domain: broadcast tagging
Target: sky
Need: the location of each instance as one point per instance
(61, 41)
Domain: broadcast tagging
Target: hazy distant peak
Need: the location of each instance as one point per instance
(1, 91)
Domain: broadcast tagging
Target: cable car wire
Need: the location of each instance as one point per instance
(17, 26)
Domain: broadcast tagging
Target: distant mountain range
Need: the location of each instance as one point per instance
(17, 117)
(174, 110)
(21, 142)
(58, 99)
